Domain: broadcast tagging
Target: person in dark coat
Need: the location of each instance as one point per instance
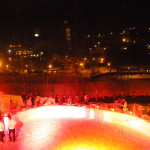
(24, 98)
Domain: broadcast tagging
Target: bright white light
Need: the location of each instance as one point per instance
(84, 112)
(91, 114)
(50, 66)
(53, 112)
(81, 64)
(6, 124)
(9, 51)
(36, 35)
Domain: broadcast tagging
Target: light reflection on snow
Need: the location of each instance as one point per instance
(127, 120)
(47, 119)
(82, 112)
(91, 114)
(53, 112)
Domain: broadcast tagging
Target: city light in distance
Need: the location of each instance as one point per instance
(108, 64)
(50, 66)
(36, 35)
(81, 64)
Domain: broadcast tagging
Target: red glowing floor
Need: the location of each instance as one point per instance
(40, 129)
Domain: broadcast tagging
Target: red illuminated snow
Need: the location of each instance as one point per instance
(60, 133)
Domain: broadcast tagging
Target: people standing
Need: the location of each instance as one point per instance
(1, 131)
(12, 106)
(24, 98)
(64, 99)
(29, 100)
(86, 99)
(116, 105)
(32, 98)
(11, 127)
(56, 99)
(69, 100)
(76, 100)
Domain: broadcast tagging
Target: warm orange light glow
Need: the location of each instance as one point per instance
(68, 34)
(101, 60)
(123, 40)
(0, 63)
(50, 66)
(109, 64)
(9, 58)
(81, 64)
(86, 146)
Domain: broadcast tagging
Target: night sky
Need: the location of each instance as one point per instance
(20, 19)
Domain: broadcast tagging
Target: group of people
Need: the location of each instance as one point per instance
(11, 129)
(120, 104)
(28, 99)
(70, 100)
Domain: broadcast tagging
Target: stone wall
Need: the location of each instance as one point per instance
(92, 88)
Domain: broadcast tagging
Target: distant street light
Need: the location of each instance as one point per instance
(81, 64)
(108, 64)
(50, 66)
(36, 35)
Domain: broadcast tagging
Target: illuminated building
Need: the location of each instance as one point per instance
(19, 50)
